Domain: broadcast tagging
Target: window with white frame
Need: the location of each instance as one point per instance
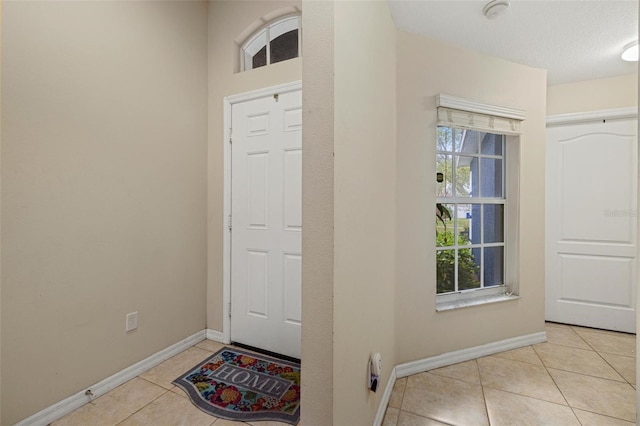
(470, 206)
(477, 169)
(275, 42)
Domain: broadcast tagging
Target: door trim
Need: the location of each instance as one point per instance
(228, 101)
(591, 116)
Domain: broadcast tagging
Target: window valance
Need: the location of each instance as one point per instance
(461, 113)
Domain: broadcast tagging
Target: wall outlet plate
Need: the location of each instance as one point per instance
(132, 321)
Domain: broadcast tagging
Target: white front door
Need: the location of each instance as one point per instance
(266, 214)
(591, 224)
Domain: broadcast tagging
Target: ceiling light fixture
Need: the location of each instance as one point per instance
(630, 52)
(495, 8)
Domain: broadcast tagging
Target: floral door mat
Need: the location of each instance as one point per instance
(236, 385)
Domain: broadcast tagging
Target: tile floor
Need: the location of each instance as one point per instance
(580, 376)
(151, 399)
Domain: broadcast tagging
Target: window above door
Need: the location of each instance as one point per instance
(277, 41)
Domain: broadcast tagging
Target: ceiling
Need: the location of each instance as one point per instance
(573, 40)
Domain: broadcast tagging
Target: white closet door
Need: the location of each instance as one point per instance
(591, 224)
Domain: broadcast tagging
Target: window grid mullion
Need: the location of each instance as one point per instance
(454, 166)
(505, 215)
(480, 192)
(454, 193)
(268, 45)
(481, 206)
(470, 200)
(455, 245)
(481, 245)
(299, 36)
(477, 245)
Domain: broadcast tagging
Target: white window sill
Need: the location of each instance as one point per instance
(459, 304)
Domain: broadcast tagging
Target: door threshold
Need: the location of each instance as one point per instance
(595, 329)
(266, 352)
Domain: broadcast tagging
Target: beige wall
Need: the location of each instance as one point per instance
(593, 95)
(0, 215)
(426, 68)
(317, 213)
(637, 94)
(228, 20)
(348, 208)
(104, 119)
(365, 174)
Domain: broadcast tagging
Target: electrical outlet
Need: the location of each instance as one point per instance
(132, 321)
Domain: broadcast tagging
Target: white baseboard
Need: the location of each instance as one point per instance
(449, 358)
(217, 336)
(66, 406)
(382, 408)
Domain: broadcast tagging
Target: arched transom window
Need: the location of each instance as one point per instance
(275, 42)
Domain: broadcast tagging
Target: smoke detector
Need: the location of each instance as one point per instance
(495, 8)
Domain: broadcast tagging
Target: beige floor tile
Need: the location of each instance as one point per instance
(519, 377)
(395, 401)
(526, 354)
(617, 344)
(169, 370)
(115, 406)
(391, 417)
(170, 410)
(267, 423)
(178, 391)
(507, 409)
(625, 365)
(408, 419)
(88, 414)
(136, 393)
(592, 419)
(466, 371)
(577, 360)
(210, 345)
(564, 336)
(447, 400)
(602, 396)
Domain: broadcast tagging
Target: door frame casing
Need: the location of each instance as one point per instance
(591, 116)
(228, 102)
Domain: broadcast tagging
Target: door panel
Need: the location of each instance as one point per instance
(293, 190)
(591, 224)
(292, 286)
(266, 209)
(257, 179)
(597, 173)
(257, 280)
(582, 279)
